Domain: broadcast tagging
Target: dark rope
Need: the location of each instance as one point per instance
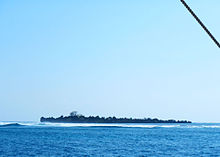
(200, 22)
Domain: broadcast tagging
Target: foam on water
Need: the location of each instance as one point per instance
(39, 124)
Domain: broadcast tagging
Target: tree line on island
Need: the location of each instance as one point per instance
(74, 117)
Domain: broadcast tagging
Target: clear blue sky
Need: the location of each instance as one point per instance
(110, 58)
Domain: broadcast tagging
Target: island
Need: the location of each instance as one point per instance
(78, 118)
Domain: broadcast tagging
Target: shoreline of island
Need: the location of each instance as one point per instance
(78, 118)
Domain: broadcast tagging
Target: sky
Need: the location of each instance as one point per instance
(118, 58)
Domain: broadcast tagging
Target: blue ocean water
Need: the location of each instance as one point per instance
(45, 139)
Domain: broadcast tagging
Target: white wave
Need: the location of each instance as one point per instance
(45, 124)
(108, 125)
(95, 125)
(20, 123)
(203, 126)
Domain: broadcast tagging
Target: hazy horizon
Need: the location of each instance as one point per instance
(109, 58)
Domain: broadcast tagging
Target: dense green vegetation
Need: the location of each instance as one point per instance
(76, 118)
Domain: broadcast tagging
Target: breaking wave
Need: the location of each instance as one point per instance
(116, 125)
(10, 125)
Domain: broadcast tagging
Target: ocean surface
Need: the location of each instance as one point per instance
(47, 139)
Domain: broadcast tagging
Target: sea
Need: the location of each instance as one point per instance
(121, 140)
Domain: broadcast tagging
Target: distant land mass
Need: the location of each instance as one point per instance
(78, 118)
